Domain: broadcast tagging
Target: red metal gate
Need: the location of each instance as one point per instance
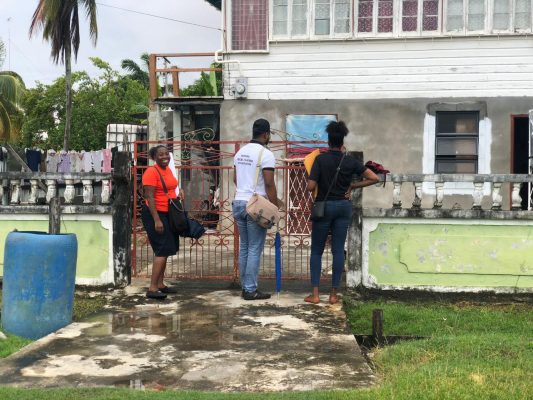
(205, 171)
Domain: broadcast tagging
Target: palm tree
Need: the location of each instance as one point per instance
(138, 72)
(60, 24)
(11, 90)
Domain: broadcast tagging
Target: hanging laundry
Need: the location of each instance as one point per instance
(86, 161)
(106, 160)
(97, 161)
(52, 160)
(33, 159)
(75, 161)
(64, 163)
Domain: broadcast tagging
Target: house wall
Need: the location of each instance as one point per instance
(389, 131)
(484, 66)
(447, 255)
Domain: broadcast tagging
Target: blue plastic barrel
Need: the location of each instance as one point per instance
(38, 283)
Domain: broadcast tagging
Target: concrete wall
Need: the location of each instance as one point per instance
(387, 131)
(447, 255)
(95, 242)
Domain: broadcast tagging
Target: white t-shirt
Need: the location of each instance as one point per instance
(245, 163)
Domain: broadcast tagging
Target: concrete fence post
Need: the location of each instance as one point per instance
(122, 219)
(354, 275)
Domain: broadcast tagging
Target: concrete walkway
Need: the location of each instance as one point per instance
(201, 339)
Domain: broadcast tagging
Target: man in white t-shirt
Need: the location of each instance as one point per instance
(252, 235)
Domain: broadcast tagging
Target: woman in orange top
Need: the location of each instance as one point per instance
(155, 218)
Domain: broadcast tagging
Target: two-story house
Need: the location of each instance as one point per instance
(425, 86)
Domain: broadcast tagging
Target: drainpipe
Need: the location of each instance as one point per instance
(218, 56)
(222, 61)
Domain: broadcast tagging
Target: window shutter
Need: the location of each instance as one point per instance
(249, 24)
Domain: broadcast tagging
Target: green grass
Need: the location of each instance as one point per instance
(84, 305)
(472, 351)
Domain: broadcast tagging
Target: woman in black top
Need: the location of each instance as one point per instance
(338, 209)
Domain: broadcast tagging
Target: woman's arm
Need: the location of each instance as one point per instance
(369, 178)
(149, 192)
(311, 185)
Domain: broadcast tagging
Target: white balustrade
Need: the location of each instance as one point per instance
(69, 191)
(52, 189)
(106, 193)
(417, 202)
(496, 196)
(34, 191)
(397, 195)
(516, 199)
(439, 194)
(87, 191)
(15, 191)
(477, 196)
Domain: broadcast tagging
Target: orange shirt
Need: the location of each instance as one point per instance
(151, 178)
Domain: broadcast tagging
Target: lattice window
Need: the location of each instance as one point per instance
(249, 24)
(511, 15)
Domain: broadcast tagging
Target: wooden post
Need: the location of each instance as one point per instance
(122, 219)
(354, 275)
(153, 77)
(54, 216)
(377, 325)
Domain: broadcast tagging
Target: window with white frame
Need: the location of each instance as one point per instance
(289, 18)
(333, 18)
(465, 15)
(329, 18)
(511, 15)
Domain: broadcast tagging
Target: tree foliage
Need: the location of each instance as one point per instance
(109, 98)
(60, 24)
(11, 92)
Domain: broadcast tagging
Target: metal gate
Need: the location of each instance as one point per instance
(205, 171)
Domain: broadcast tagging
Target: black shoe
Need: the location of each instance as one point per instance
(168, 290)
(257, 295)
(242, 293)
(156, 295)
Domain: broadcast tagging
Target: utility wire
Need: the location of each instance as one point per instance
(158, 16)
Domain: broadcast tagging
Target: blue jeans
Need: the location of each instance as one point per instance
(252, 241)
(337, 218)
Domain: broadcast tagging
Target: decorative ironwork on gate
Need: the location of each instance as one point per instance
(205, 171)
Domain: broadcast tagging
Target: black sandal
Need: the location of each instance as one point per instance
(168, 289)
(157, 294)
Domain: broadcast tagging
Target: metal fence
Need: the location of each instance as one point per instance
(206, 175)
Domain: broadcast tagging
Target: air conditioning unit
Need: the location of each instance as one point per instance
(240, 88)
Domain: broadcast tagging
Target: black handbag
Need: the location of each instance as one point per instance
(319, 207)
(194, 230)
(177, 218)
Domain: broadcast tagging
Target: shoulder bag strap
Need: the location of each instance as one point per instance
(335, 178)
(162, 182)
(258, 168)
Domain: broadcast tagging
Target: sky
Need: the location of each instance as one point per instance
(121, 35)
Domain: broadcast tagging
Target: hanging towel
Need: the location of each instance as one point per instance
(86, 161)
(106, 160)
(172, 167)
(64, 163)
(52, 159)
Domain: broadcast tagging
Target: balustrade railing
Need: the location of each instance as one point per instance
(478, 181)
(14, 187)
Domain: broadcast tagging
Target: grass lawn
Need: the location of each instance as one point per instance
(84, 305)
(473, 351)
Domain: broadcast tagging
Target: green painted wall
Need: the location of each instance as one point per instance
(93, 243)
(451, 255)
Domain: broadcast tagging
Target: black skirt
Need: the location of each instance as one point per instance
(164, 244)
